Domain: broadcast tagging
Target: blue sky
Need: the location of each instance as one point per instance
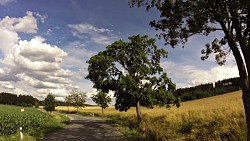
(44, 45)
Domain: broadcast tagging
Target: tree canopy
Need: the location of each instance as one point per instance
(101, 99)
(132, 71)
(20, 100)
(76, 98)
(181, 19)
(50, 103)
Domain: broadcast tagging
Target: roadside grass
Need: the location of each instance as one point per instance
(36, 123)
(56, 122)
(217, 118)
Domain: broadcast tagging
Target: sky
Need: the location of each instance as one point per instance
(44, 45)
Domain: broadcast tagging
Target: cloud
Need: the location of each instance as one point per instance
(191, 75)
(6, 85)
(35, 55)
(102, 40)
(101, 36)
(76, 59)
(31, 66)
(77, 48)
(1, 71)
(3, 2)
(87, 28)
(37, 64)
(26, 24)
(42, 17)
(8, 39)
(49, 32)
(60, 94)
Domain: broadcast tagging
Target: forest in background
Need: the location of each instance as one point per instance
(209, 89)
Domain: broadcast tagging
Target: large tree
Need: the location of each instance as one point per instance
(181, 19)
(132, 70)
(50, 103)
(102, 99)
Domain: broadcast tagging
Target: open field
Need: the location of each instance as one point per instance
(215, 118)
(34, 122)
(229, 102)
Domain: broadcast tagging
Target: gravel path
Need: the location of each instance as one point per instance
(82, 128)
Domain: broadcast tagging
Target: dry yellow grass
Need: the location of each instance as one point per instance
(214, 118)
(231, 101)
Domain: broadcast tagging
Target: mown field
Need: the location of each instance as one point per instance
(34, 122)
(216, 118)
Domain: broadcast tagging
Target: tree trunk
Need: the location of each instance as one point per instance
(246, 92)
(244, 77)
(243, 69)
(246, 102)
(138, 112)
(102, 111)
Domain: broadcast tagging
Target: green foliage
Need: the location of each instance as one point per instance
(132, 70)
(180, 19)
(76, 98)
(37, 104)
(207, 90)
(11, 118)
(35, 123)
(50, 103)
(21, 100)
(101, 99)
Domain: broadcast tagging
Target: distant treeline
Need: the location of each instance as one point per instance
(21, 100)
(207, 90)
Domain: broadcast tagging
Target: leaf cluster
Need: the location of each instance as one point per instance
(102, 99)
(181, 19)
(50, 103)
(76, 98)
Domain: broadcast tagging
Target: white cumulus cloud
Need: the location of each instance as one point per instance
(26, 24)
(31, 66)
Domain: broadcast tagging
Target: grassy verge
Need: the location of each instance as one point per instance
(56, 122)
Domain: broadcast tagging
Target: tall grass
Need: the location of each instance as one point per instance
(217, 118)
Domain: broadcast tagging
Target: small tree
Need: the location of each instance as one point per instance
(77, 98)
(36, 104)
(68, 101)
(50, 103)
(132, 70)
(102, 100)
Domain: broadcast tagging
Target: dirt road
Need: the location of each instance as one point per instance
(83, 128)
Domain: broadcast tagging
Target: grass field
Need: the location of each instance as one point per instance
(215, 118)
(34, 122)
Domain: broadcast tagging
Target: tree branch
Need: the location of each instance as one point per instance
(214, 29)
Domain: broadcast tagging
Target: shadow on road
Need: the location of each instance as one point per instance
(86, 129)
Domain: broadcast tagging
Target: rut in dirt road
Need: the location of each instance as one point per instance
(83, 128)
